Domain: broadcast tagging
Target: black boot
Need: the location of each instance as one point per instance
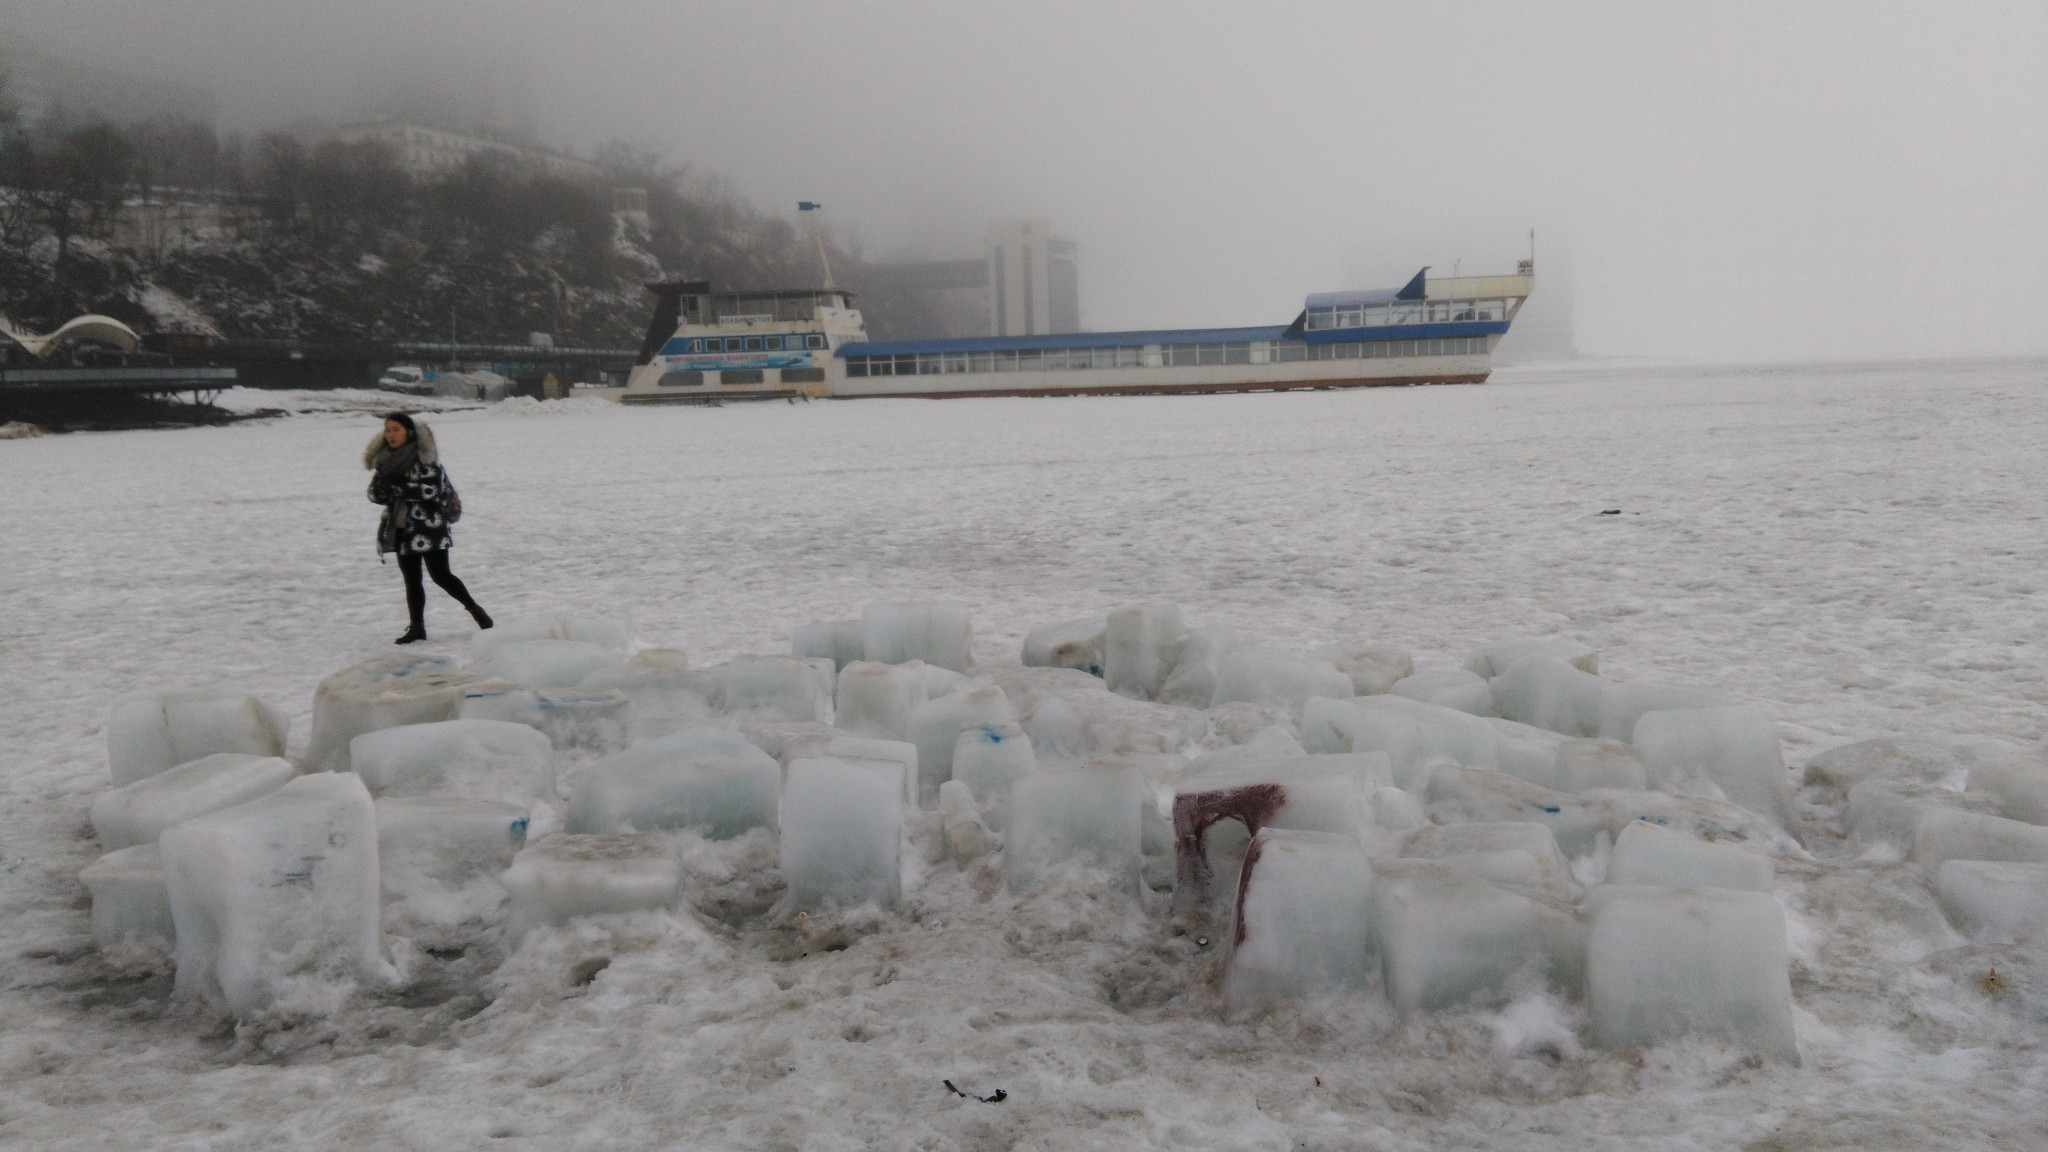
(476, 612)
(413, 635)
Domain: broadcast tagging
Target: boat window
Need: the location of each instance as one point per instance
(814, 341)
(1237, 353)
(753, 343)
(771, 343)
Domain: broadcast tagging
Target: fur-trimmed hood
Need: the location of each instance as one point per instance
(376, 449)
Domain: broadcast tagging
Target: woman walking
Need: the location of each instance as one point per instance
(406, 477)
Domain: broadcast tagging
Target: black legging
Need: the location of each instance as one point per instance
(436, 563)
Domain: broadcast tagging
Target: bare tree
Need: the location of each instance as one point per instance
(17, 163)
(281, 175)
(85, 177)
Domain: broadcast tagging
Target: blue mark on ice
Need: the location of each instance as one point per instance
(1552, 809)
(518, 830)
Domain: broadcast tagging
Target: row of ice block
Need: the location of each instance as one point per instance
(893, 632)
(1654, 962)
(294, 883)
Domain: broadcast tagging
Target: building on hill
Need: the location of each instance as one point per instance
(1034, 280)
(169, 216)
(427, 152)
(1027, 283)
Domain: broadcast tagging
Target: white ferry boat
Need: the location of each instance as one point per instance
(707, 346)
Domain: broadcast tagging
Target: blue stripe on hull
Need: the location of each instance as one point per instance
(1065, 340)
(1405, 332)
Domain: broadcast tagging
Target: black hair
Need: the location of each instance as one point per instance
(405, 420)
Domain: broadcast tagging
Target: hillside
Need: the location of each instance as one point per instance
(174, 230)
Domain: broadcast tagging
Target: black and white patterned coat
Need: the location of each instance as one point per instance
(415, 504)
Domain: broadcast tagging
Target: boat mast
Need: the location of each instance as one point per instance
(806, 207)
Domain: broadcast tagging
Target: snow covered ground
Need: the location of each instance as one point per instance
(1860, 548)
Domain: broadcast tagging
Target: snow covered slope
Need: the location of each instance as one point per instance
(1859, 549)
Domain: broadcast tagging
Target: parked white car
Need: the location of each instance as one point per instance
(406, 378)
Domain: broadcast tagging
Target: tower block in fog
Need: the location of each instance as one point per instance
(1034, 282)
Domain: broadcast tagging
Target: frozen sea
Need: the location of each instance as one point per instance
(1861, 548)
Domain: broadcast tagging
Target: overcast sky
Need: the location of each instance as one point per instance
(1735, 182)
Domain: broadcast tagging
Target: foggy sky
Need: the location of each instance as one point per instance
(1750, 182)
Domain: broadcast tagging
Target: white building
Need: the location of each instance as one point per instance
(1034, 282)
(426, 152)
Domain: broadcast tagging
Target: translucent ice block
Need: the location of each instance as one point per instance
(1192, 683)
(2021, 789)
(555, 626)
(1460, 794)
(774, 688)
(709, 779)
(1374, 668)
(562, 877)
(1494, 659)
(842, 831)
(1736, 749)
(1547, 692)
(470, 759)
(1648, 854)
(935, 727)
(151, 732)
(1415, 736)
(139, 812)
(934, 632)
(596, 722)
(547, 663)
(1520, 856)
(130, 904)
(1275, 676)
(1991, 901)
(384, 692)
(1303, 903)
(284, 885)
(989, 759)
(1624, 703)
(1141, 645)
(1669, 962)
(875, 698)
(439, 859)
(1087, 813)
(1449, 688)
(1843, 767)
(1449, 939)
(838, 640)
(1075, 644)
